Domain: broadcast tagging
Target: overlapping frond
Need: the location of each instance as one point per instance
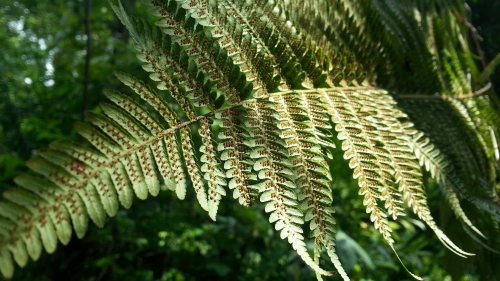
(267, 85)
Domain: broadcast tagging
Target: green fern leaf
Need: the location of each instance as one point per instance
(267, 85)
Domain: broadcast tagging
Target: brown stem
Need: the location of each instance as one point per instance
(477, 93)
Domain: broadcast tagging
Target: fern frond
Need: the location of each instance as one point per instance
(376, 119)
(271, 151)
(441, 170)
(266, 85)
(465, 152)
(407, 169)
(312, 170)
(372, 172)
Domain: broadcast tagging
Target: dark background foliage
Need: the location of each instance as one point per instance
(485, 19)
(42, 76)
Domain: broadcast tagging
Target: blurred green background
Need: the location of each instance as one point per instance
(42, 73)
